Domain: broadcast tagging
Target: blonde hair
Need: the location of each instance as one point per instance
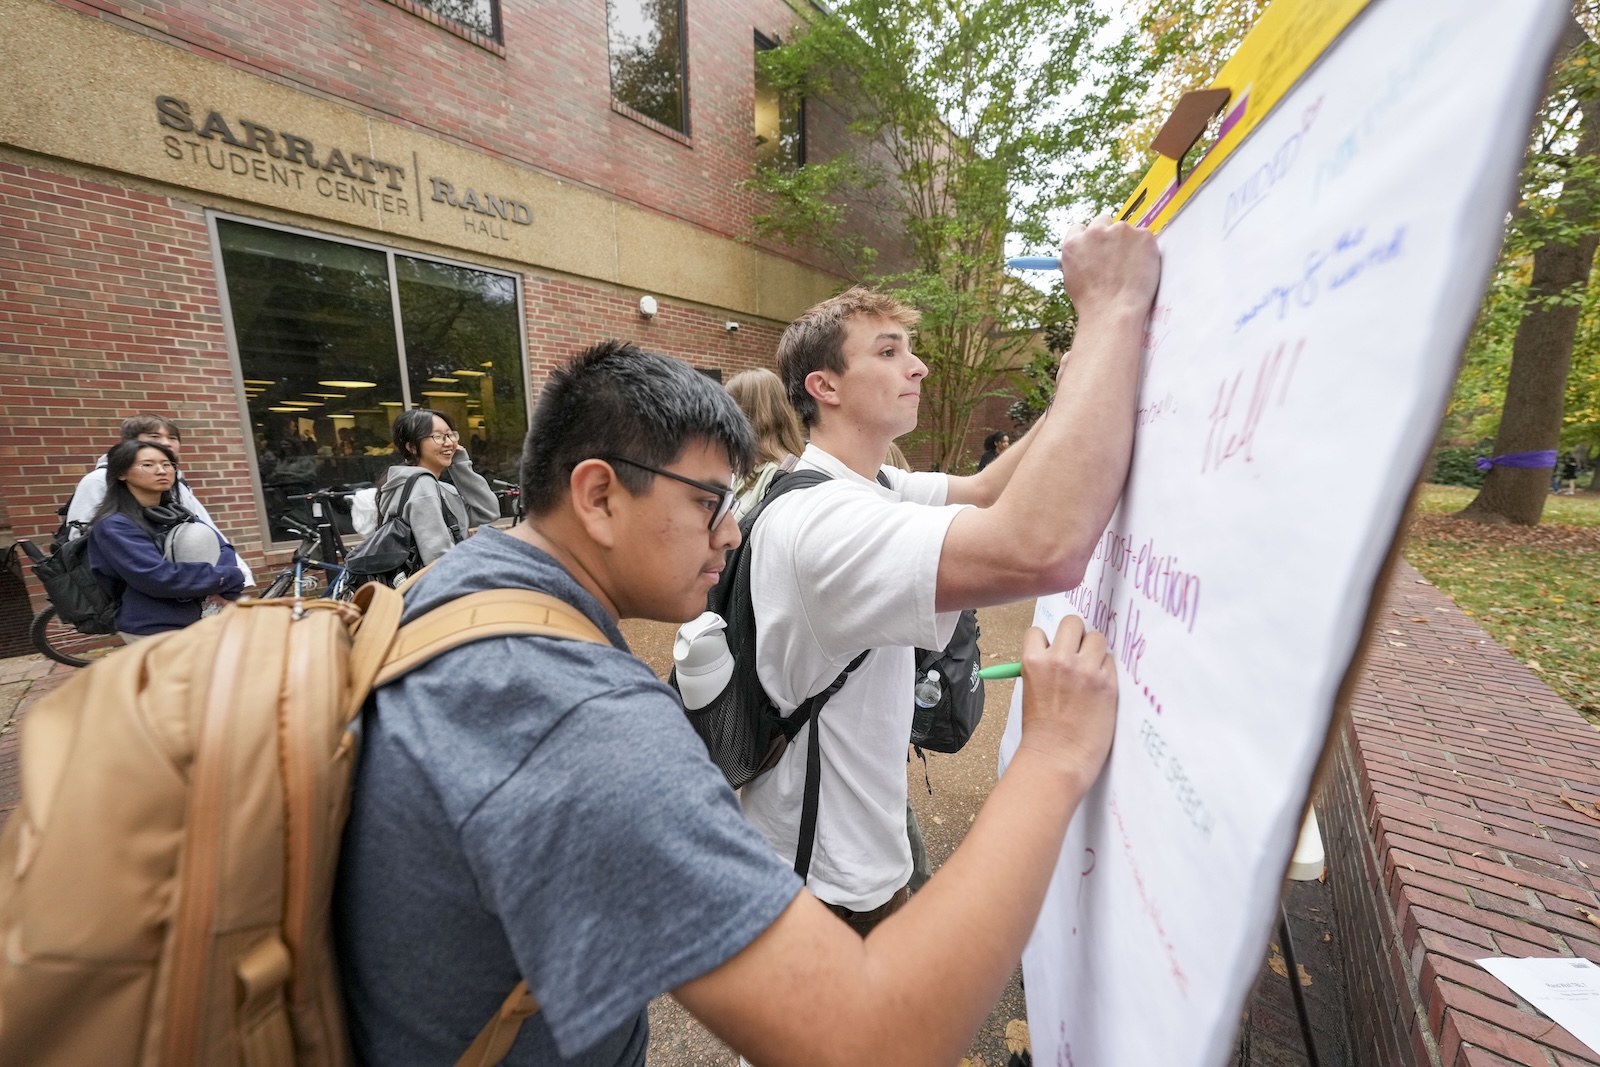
(759, 395)
(815, 341)
(896, 458)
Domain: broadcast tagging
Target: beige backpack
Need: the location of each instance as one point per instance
(165, 881)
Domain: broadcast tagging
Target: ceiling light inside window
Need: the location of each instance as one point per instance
(348, 383)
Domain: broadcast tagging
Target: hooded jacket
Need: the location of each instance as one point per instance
(469, 501)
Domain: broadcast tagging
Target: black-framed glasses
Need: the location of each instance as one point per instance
(727, 495)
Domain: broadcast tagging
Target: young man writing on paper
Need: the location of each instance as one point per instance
(541, 809)
(853, 565)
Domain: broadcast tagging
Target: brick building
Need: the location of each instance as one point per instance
(282, 221)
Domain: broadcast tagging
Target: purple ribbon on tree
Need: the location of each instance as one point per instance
(1528, 460)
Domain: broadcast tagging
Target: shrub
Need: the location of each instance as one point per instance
(1457, 466)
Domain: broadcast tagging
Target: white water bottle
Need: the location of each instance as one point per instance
(704, 664)
(928, 691)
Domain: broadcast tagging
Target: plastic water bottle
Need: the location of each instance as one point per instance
(928, 691)
(702, 659)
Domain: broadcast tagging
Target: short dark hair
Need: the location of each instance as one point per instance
(119, 498)
(815, 341)
(617, 400)
(134, 425)
(411, 428)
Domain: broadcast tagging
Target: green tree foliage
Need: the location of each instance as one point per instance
(975, 121)
(1190, 40)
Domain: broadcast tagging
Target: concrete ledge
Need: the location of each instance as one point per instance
(1449, 841)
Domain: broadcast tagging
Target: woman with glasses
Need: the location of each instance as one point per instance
(128, 546)
(436, 491)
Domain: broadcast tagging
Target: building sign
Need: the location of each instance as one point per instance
(271, 156)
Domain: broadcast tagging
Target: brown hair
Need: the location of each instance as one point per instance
(134, 425)
(759, 395)
(815, 341)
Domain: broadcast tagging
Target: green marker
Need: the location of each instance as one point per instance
(1001, 670)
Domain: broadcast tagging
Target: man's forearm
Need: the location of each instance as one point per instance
(985, 487)
(916, 990)
(1068, 484)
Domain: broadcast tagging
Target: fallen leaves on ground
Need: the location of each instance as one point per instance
(1535, 589)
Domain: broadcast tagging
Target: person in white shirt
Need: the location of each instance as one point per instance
(853, 565)
(91, 490)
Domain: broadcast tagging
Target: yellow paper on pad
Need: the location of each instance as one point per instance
(1283, 44)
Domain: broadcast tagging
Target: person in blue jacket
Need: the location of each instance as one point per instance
(125, 546)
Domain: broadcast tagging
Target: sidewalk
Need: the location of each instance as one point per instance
(23, 679)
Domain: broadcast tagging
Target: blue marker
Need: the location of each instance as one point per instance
(1034, 263)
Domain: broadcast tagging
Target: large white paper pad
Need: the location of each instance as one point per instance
(1566, 989)
(1315, 297)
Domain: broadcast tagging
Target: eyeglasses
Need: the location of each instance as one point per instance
(727, 495)
(449, 437)
(156, 468)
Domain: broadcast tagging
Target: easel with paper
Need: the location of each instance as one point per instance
(1322, 266)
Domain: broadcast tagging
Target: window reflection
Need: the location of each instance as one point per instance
(322, 366)
(463, 352)
(647, 68)
(779, 119)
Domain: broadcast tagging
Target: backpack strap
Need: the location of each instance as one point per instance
(476, 616)
(500, 1033)
(808, 711)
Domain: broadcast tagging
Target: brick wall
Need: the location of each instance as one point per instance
(1448, 842)
(546, 103)
(109, 305)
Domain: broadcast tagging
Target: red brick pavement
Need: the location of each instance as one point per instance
(1449, 841)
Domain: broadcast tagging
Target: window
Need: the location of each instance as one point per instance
(480, 16)
(647, 59)
(335, 339)
(780, 120)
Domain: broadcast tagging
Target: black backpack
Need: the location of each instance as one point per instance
(79, 597)
(743, 730)
(391, 549)
(949, 724)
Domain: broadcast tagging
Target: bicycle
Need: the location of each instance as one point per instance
(507, 493)
(62, 641)
(321, 549)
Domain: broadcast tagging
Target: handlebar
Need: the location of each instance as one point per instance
(341, 494)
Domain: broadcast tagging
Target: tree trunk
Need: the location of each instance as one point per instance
(1541, 353)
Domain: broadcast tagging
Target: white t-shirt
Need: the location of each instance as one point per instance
(837, 568)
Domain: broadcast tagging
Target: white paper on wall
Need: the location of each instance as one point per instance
(1314, 300)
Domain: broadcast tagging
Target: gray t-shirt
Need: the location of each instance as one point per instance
(536, 808)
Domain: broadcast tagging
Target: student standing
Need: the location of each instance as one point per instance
(440, 512)
(852, 565)
(532, 808)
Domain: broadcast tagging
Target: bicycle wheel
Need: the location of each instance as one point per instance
(283, 585)
(65, 644)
